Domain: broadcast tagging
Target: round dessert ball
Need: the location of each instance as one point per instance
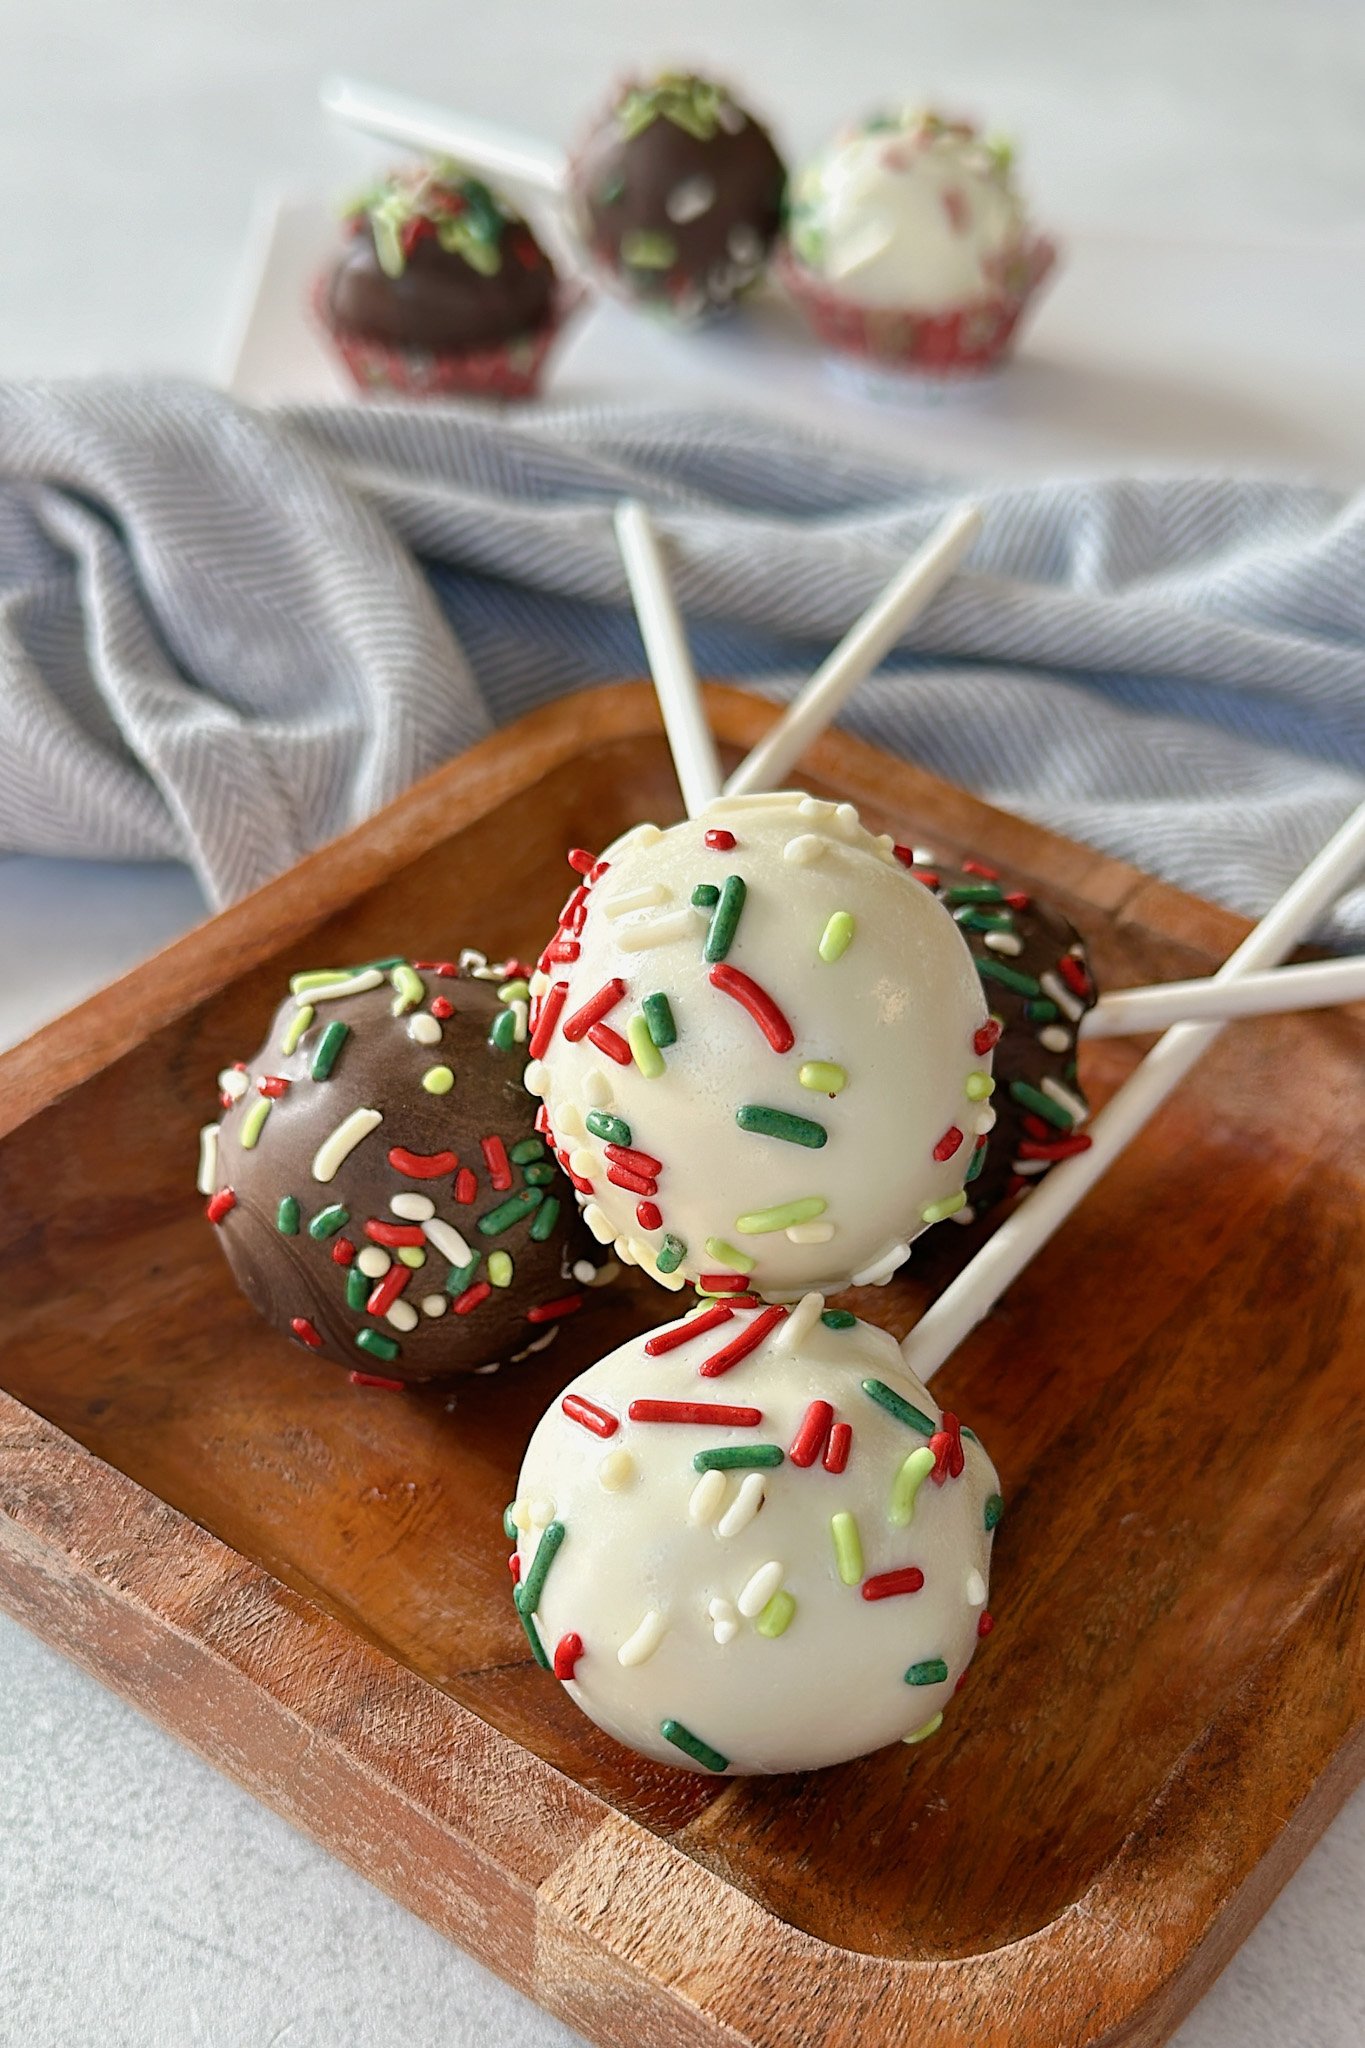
(679, 192)
(751, 1542)
(377, 1181)
(763, 1049)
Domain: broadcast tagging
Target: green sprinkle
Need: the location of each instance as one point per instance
(1029, 1098)
(509, 1527)
(985, 920)
(296, 1027)
(329, 1221)
(411, 1255)
(980, 1087)
(693, 1746)
(500, 1268)
(644, 1051)
(906, 1485)
(776, 1617)
(978, 1161)
(533, 1638)
(974, 892)
(1008, 977)
(939, 1212)
(822, 1077)
(253, 1123)
(409, 987)
(460, 1277)
(357, 1287)
(511, 1211)
(1043, 1011)
(897, 1405)
(287, 1217)
(328, 1049)
(545, 1218)
(923, 1734)
(780, 1123)
(725, 1255)
(515, 992)
(837, 936)
(705, 896)
(761, 1222)
(932, 1671)
(438, 1080)
(648, 249)
(737, 1458)
(318, 977)
(720, 933)
(539, 1173)
(848, 1547)
(659, 1017)
(503, 1035)
(528, 1149)
(671, 1253)
(529, 1592)
(994, 1509)
(374, 1341)
(838, 1318)
(611, 1129)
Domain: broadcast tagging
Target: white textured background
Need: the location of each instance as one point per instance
(143, 1900)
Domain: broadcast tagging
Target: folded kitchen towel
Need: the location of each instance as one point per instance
(227, 635)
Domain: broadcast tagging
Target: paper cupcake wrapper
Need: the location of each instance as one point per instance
(963, 342)
(509, 369)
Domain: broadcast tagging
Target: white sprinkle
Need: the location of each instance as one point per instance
(809, 1233)
(707, 1496)
(639, 1648)
(1055, 1038)
(536, 1078)
(234, 1083)
(647, 897)
(447, 1241)
(599, 1223)
(799, 1324)
(596, 1088)
(1053, 985)
(569, 1121)
(626, 1251)
(584, 1272)
(521, 1515)
(352, 985)
(1025, 1168)
(413, 1208)
(434, 1305)
(963, 1216)
(471, 960)
(638, 835)
(538, 1344)
(208, 1159)
(1008, 943)
(742, 1510)
(976, 1590)
(760, 1589)
(691, 199)
(847, 819)
(373, 1261)
(724, 1620)
(659, 931)
(805, 848)
(1065, 1099)
(520, 1010)
(584, 1162)
(401, 1314)
(815, 807)
(880, 1272)
(335, 1150)
(425, 1028)
(541, 1510)
(922, 857)
(617, 1471)
(538, 982)
(985, 1123)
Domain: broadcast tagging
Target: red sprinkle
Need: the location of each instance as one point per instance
(838, 1447)
(564, 951)
(697, 1326)
(388, 1288)
(568, 1650)
(441, 1007)
(343, 1251)
(722, 1283)
(986, 1623)
(545, 1022)
(649, 1216)
(948, 1144)
(961, 1681)
(496, 1160)
(594, 1010)
(611, 1043)
(978, 867)
(1018, 900)
(422, 1165)
(551, 1311)
(635, 1183)
(946, 1444)
(542, 1121)
(987, 1036)
(581, 861)
(305, 1333)
(599, 1420)
(373, 1379)
(220, 1205)
(447, 969)
(466, 1185)
(719, 840)
(760, 1005)
(1074, 975)
(574, 910)
(272, 1084)
(809, 1440)
(514, 1567)
(695, 1411)
(637, 1162)
(905, 855)
(394, 1233)
(909, 1580)
(596, 872)
(739, 1347)
(1064, 1148)
(464, 1304)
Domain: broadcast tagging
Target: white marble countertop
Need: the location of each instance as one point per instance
(143, 1900)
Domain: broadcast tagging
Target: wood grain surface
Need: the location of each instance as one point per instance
(308, 1582)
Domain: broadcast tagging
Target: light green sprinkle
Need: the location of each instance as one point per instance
(296, 1027)
(980, 1087)
(411, 1256)
(738, 1458)
(762, 1222)
(376, 1343)
(923, 1734)
(897, 1405)
(329, 1221)
(328, 1049)
(838, 1319)
(994, 1509)
(938, 1212)
(644, 1051)
(932, 1671)
(1034, 1099)
(409, 989)
(837, 936)
(253, 1123)
(438, 1080)
(545, 1218)
(511, 1211)
(670, 1254)
(822, 1077)
(725, 1255)
(720, 933)
(500, 1269)
(648, 249)
(287, 1217)
(766, 1122)
(848, 1547)
(776, 1617)
(528, 1149)
(514, 992)
(906, 1485)
(317, 977)
(611, 1129)
(659, 1017)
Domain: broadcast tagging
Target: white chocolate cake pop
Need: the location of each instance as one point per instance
(750, 1542)
(762, 1049)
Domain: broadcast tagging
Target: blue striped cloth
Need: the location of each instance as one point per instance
(225, 636)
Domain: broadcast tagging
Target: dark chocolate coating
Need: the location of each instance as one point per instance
(380, 1065)
(625, 185)
(440, 302)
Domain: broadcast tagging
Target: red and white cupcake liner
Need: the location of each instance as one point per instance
(509, 369)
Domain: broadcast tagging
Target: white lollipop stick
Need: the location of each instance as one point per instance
(981, 1283)
(1316, 986)
(675, 679)
(858, 654)
(500, 153)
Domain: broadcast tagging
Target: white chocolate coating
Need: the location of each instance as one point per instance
(719, 1599)
(878, 1072)
(911, 213)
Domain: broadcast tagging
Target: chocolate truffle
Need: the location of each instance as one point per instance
(680, 195)
(378, 1182)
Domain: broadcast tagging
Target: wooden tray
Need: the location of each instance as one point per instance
(308, 1583)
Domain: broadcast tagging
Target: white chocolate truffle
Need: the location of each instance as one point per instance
(796, 1573)
(913, 212)
(775, 1043)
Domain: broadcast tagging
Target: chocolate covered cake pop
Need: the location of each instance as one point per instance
(377, 1180)
(751, 1542)
(679, 193)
